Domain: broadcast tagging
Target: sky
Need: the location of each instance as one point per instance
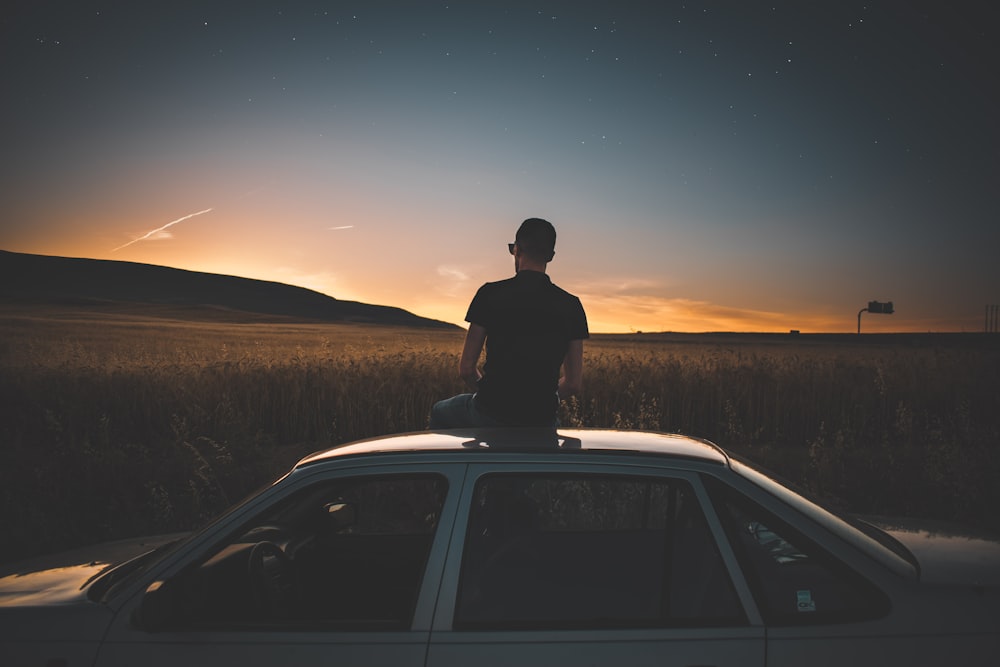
(709, 166)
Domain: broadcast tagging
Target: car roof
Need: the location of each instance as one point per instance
(528, 441)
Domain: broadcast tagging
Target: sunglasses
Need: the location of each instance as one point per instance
(510, 247)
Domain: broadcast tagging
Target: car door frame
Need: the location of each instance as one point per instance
(449, 646)
(126, 644)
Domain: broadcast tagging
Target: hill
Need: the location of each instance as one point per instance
(42, 279)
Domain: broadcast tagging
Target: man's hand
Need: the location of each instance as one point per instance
(571, 382)
(468, 367)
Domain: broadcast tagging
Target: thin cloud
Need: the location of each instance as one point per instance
(452, 273)
(452, 281)
(334, 229)
(159, 231)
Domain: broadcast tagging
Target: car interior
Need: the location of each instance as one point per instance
(347, 554)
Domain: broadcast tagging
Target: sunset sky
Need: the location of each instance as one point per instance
(709, 166)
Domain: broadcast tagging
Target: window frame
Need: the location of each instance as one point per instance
(230, 526)
(447, 619)
(719, 491)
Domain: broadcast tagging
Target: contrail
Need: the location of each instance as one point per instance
(160, 229)
(333, 229)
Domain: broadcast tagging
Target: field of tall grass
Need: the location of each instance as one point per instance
(117, 424)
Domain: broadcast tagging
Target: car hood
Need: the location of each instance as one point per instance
(947, 554)
(59, 585)
(63, 578)
(50, 605)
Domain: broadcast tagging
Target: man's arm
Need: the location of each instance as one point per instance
(572, 380)
(468, 367)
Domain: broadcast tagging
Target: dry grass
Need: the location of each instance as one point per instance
(120, 423)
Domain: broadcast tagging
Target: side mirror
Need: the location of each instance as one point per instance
(341, 516)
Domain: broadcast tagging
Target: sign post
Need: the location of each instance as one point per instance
(875, 307)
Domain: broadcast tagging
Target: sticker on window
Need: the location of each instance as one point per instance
(806, 602)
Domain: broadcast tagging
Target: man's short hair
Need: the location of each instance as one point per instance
(537, 239)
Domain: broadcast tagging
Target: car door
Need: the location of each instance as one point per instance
(347, 575)
(590, 564)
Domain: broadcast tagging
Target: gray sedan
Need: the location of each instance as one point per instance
(527, 547)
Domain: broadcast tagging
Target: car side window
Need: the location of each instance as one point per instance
(795, 582)
(343, 554)
(590, 551)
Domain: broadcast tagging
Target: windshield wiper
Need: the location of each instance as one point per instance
(111, 577)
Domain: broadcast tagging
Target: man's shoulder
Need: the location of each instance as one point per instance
(564, 293)
(560, 295)
(495, 286)
(498, 284)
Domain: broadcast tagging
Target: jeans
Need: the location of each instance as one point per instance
(459, 412)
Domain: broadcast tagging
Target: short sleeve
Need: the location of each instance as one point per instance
(579, 329)
(478, 312)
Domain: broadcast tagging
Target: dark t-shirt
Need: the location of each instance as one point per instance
(529, 323)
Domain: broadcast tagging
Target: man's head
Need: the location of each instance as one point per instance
(536, 238)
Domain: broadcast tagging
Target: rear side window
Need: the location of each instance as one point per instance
(795, 582)
(590, 551)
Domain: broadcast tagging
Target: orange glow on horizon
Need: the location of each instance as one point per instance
(447, 298)
(693, 319)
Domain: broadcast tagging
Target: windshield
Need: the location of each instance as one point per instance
(901, 563)
(109, 581)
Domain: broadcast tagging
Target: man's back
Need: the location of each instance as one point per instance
(529, 323)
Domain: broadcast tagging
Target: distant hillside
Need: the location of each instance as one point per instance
(45, 279)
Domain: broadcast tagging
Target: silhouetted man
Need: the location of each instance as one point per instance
(533, 332)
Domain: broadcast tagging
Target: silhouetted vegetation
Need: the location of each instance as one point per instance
(128, 425)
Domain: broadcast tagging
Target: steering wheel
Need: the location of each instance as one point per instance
(272, 580)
